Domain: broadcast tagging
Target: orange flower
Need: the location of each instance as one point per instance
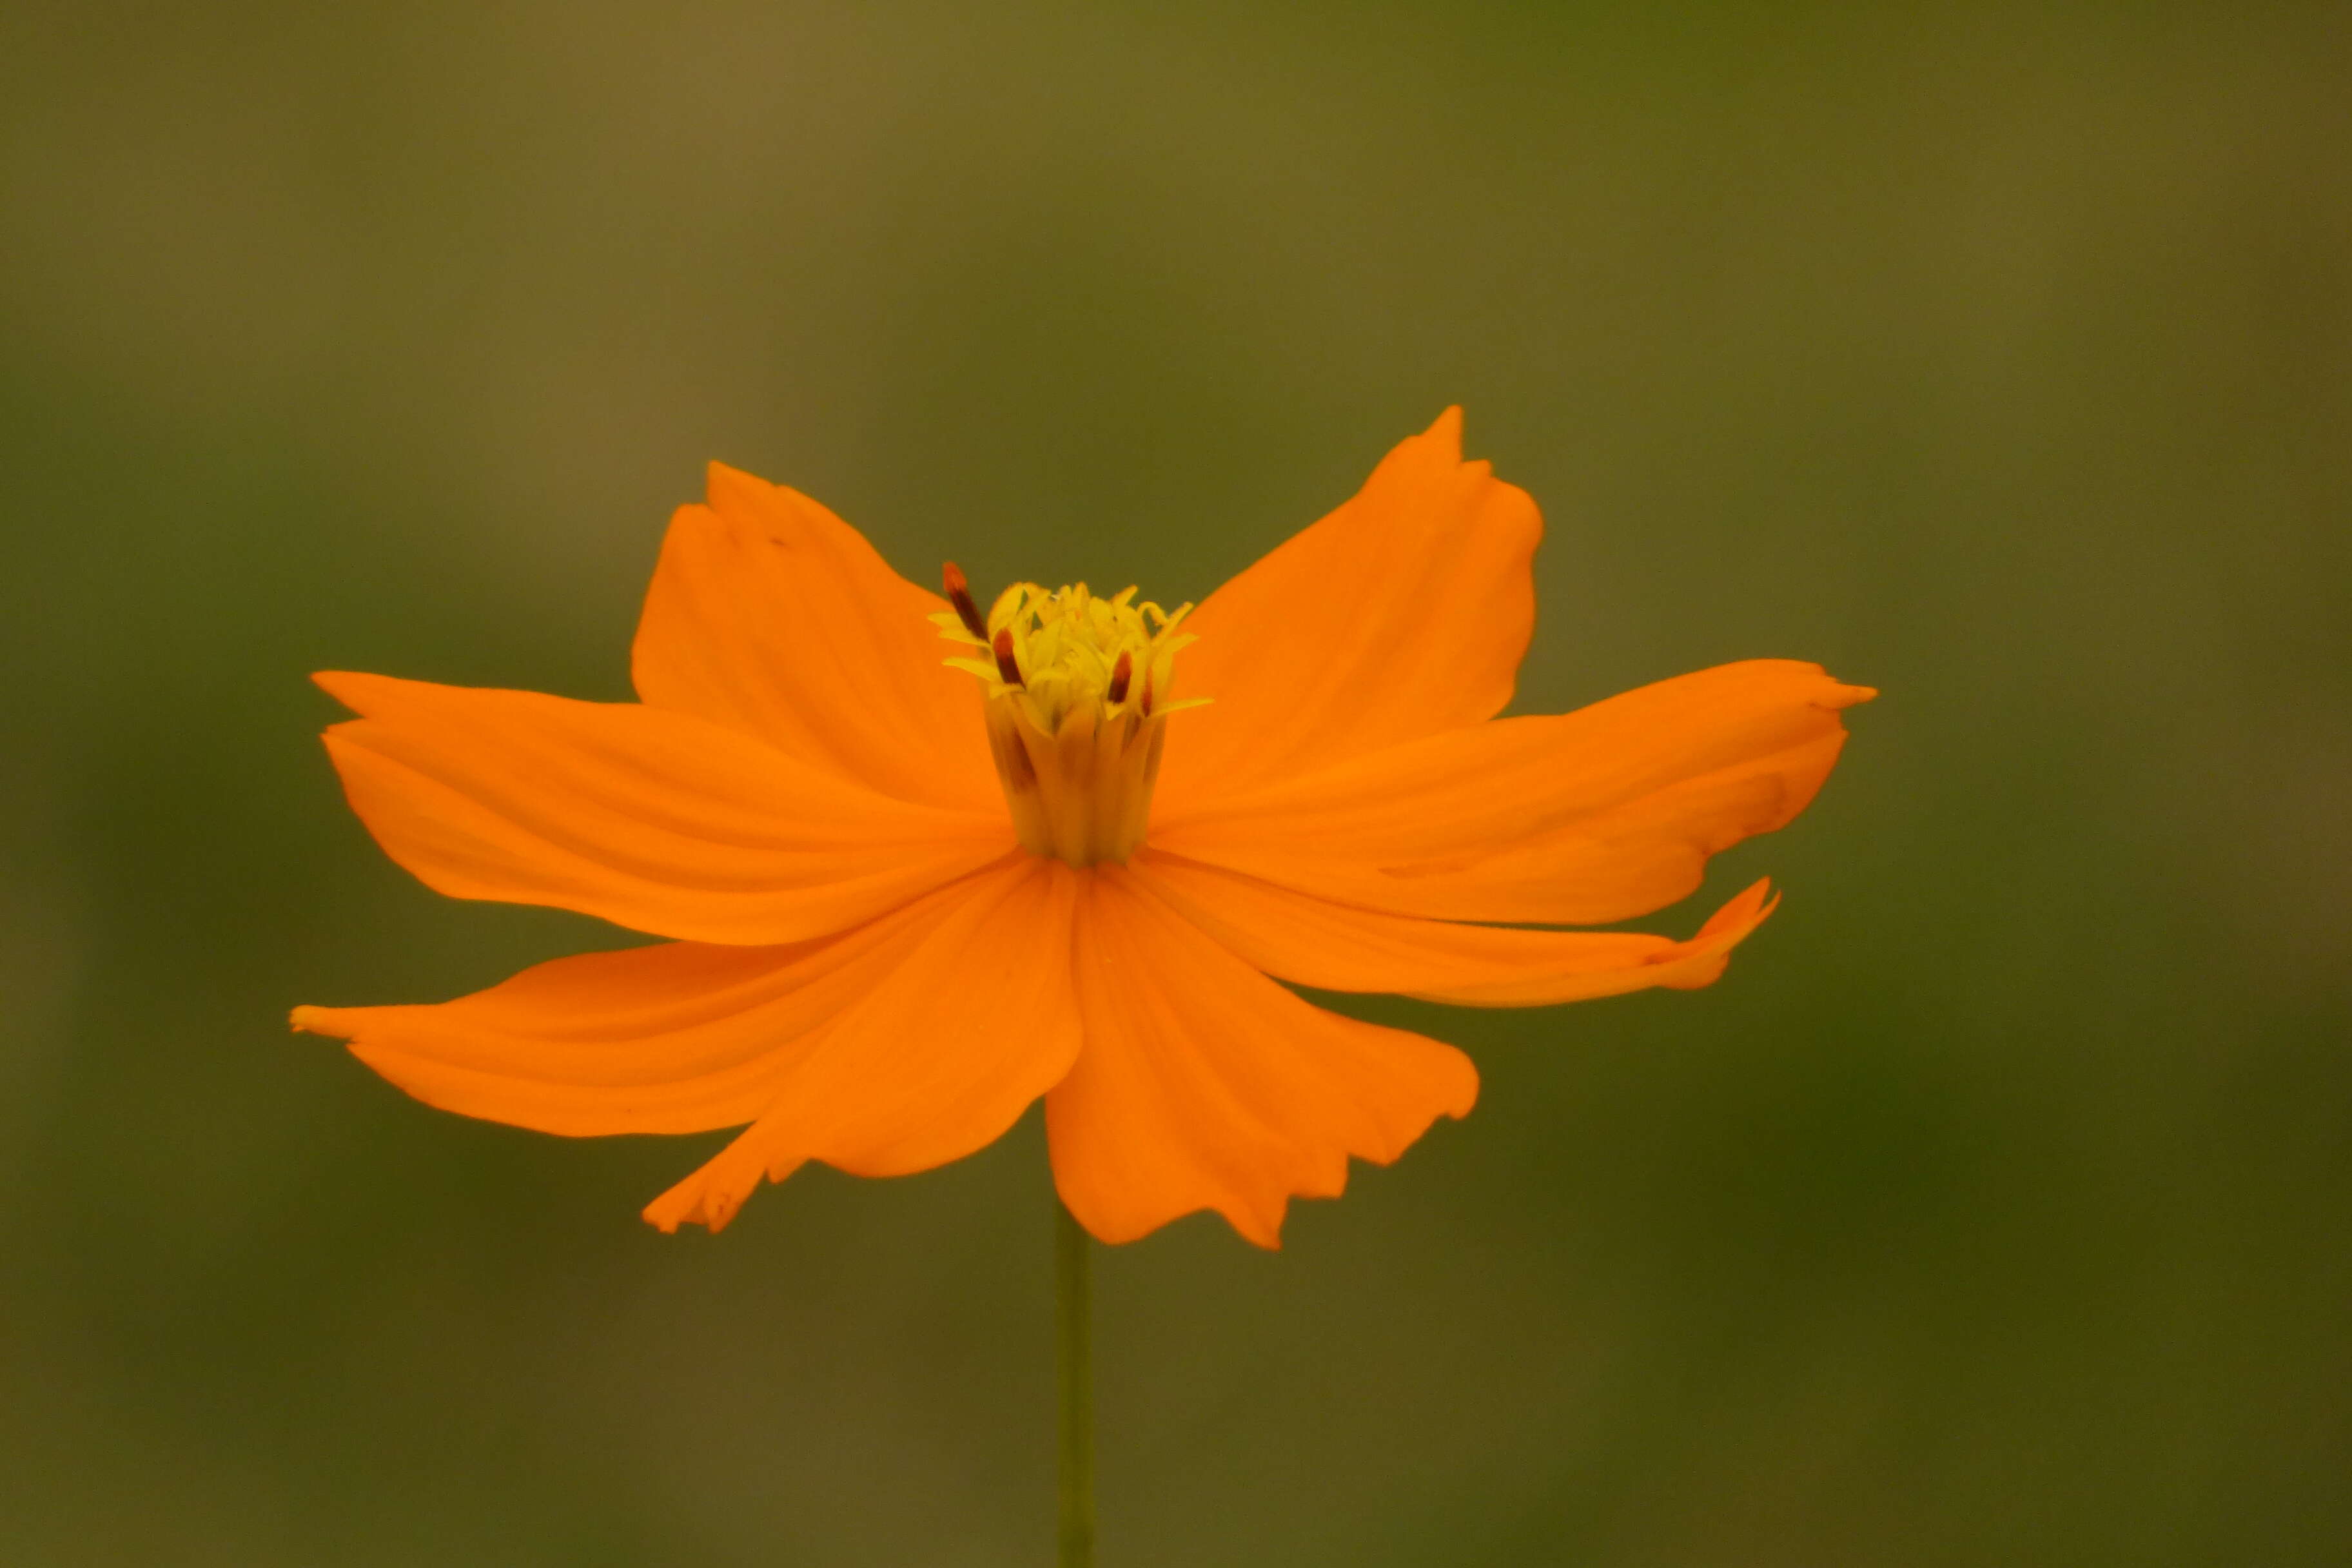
(907, 896)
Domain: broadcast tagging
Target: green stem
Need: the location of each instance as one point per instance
(1074, 1365)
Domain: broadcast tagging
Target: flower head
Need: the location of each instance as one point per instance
(907, 895)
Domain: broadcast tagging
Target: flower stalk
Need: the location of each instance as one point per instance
(1073, 1368)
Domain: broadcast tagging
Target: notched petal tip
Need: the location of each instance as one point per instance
(1446, 430)
(327, 1023)
(1259, 1230)
(1260, 1227)
(1746, 910)
(1845, 696)
(716, 1192)
(347, 686)
(1701, 961)
(723, 482)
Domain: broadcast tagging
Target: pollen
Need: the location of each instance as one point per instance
(1077, 705)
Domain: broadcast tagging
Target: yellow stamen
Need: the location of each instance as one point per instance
(1076, 734)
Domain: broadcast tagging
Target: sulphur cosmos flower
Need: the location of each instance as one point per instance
(921, 864)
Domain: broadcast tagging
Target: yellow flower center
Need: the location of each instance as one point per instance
(1077, 702)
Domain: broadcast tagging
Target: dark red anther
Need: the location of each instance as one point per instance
(1146, 703)
(960, 596)
(1008, 668)
(1121, 674)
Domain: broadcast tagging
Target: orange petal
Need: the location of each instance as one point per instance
(772, 615)
(1580, 819)
(939, 1056)
(1331, 946)
(1203, 1085)
(541, 1051)
(1404, 613)
(680, 1037)
(653, 820)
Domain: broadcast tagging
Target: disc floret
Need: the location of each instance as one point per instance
(1076, 691)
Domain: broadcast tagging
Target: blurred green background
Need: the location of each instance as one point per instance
(1993, 1210)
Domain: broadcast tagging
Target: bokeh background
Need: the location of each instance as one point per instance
(1993, 1210)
